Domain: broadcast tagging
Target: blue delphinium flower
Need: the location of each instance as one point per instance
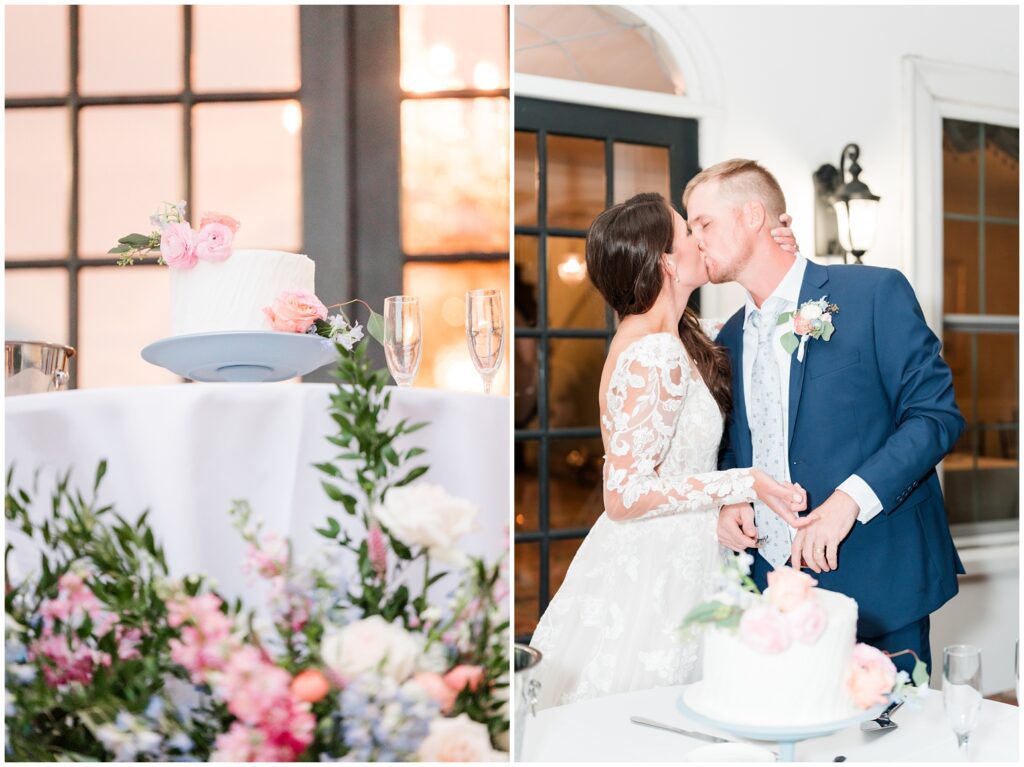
(382, 721)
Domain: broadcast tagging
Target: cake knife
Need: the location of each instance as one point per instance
(689, 733)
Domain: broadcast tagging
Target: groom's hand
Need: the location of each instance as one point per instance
(817, 545)
(736, 529)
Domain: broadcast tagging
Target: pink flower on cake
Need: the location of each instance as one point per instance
(787, 588)
(807, 622)
(293, 311)
(214, 242)
(178, 246)
(765, 629)
(872, 676)
(219, 218)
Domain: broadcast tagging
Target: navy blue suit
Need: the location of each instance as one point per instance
(875, 400)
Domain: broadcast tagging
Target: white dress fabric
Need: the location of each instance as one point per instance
(614, 625)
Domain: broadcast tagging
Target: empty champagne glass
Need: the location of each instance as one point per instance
(403, 337)
(485, 332)
(961, 691)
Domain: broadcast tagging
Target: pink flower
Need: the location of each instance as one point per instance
(293, 311)
(787, 588)
(270, 558)
(378, 550)
(764, 629)
(219, 218)
(238, 744)
(128, 641)
(801, 326)
(807, 621)
(872, 676)
(214, 243)
(310, 685)
(178, 246)
(437, 689)
(463, 676)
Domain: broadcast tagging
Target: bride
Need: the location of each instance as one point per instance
(614, 624)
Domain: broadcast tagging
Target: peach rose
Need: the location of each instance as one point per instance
(219, 218)
(801, 326)
(765, 629)
(293, 311)
(178, 246)
(214, 242)
(872, 676)
(310, 685)
(463, 676)
(807, 622)
(437, 689)
(787, 588)
(457, 740)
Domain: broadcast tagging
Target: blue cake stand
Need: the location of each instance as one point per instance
(786, 737)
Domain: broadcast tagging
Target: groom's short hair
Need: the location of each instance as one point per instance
(746, 179)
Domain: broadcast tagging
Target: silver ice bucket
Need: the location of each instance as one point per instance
(34, 367)
(526, 689)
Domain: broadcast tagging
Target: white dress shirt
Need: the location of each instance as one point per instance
(789, 291)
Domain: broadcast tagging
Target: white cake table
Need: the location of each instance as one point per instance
(599, 730)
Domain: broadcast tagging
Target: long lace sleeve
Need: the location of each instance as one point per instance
(711, 328)
(644, 399)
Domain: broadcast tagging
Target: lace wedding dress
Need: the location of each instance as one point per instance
(614, 624)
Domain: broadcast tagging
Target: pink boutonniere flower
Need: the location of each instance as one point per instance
(813, 319)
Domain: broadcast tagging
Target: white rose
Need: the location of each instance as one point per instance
(365, 644)
(425, 515)
(811, 312)
(457, 740)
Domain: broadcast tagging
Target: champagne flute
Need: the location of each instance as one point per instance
(485, 333)
(961, 691)
(403, 337)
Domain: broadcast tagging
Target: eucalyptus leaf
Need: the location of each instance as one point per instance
(375, 327)
(784, 318)
(790, 342)
(827, 330)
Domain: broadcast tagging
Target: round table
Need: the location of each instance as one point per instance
(187, 451)
(599, 730)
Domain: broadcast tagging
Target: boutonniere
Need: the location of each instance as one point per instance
(813, 319)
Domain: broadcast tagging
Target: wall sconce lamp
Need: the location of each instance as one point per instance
(573, 269)
(845, 211)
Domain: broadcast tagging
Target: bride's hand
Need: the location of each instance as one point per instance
(784, 235)
(784, 498)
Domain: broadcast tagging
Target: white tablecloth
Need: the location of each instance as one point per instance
(599, 730)
(186, 451)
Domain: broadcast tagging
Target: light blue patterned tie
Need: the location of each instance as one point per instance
(766, 429)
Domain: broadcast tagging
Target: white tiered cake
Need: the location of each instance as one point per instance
(231, 294)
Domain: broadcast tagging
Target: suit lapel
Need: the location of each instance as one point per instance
(744, 450)
(815, 278)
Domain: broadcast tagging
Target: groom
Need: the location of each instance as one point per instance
(860, 417)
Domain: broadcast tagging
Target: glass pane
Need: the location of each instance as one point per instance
(1002, 269)
(247, 164)
(245, 48)
(960, 267)
(38, 177)
(562, 553)
(527, 414)
(574, 380)
(526, 281)
(957, 351)
(455, 176)
(36, 50)
(454, 47)
(110, 342)
(526, 178)
(576, 181)
(960, 179)
(130, 163)
(527, 489)
(573, 302)
(640, 169)
(37, 305)
(1002, 171)
(575, 474)
(527, 587)
(442, 290)
(149, 37)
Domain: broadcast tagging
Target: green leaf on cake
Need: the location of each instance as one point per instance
(375, 327)
(790, 342)
(135, 240)
(920, 675)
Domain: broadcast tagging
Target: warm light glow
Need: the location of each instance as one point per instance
(441, 60)
(486, 76)
(572, 270)
(520, 519)
(856, 226)
(291, 118)
(453, 311)
(454, 370)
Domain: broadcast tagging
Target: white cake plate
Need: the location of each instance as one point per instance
(241, 356)
(786, 737)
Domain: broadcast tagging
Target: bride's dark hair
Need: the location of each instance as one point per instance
(624, 248)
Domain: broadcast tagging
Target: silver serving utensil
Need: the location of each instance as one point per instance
(884, 722)
(688, 733)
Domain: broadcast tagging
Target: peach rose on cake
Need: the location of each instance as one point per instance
(178, 246)
(219, 218)
(872, 676)
(787, 588)
(293, 311)
(807, 622)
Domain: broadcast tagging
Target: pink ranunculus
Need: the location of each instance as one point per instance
(214, 243)
(765, 629)
(178, 246)
(293, 311)
(463, 676)
(787, 588)
(219, 218)
(872, 676)
(807, 621)
(801, 326)
(437, 689)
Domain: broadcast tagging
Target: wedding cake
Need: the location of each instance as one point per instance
(231, 294)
